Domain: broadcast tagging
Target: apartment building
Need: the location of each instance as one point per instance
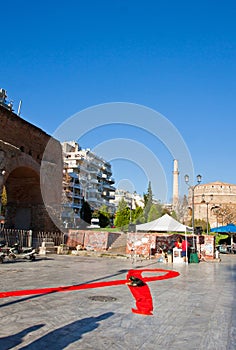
(133, 200)
(86, 177)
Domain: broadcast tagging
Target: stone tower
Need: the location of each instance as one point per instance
(175, 183)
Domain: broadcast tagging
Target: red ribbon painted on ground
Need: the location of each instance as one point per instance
(16, 293)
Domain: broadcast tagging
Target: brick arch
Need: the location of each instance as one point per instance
(19, 160)
(23, 185)
(24, 198)
(22, 147)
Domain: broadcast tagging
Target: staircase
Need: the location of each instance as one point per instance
(119, 246)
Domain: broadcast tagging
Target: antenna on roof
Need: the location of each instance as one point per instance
(19, 107)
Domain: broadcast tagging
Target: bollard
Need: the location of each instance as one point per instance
(30, 238)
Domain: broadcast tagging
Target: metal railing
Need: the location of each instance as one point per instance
(26, 238)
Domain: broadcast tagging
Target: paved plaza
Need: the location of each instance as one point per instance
(196, 310)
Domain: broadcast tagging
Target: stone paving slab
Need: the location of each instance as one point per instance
(196, 310)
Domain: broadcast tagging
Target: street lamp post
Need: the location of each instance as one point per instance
(1, 203)
(207, 203)
(130, 208)
(2, 173)
(199, 179)
(192, 188)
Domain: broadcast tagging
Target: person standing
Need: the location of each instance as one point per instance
(185, 250)
(178, 243)
(233, 248)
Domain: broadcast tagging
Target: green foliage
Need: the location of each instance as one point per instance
(174, 215)
(199, 222)
(122, 205)
(104, 210)
(137, 216)
(104, 220)
(103, 215)
(86, 213)
(4, 201)
(220, 238)
(164, 211)
(202, 223)
(96, 214)
(154, 213)
(122, 218)
(108, 229)
(148, 198)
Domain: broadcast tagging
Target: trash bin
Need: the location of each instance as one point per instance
(194, 258)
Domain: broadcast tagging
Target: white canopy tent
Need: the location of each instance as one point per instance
(164, 224)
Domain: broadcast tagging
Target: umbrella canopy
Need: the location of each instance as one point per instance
(163, 224)
(230, 228)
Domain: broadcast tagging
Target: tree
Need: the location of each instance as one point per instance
(202, 224)
(4, 200)
(122, 205)
(148, 201)
(137, 216)
(122, 215)
(221, 238)
(181, 209)
(164, 211)
(85, 213)
(154, 213)
(225, 214)
(104, 216)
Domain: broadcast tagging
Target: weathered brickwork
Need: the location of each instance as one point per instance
(22, 147)
(96, 240)
(217, 194)
(23, 135)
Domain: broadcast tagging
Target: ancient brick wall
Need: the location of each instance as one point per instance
(22, 147)
(96, 240)
(20, 133)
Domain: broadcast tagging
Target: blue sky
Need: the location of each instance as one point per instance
(175, 57)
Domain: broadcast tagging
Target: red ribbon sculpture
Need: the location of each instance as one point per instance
(141, 293)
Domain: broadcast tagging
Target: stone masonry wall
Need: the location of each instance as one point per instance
(18, 132)
(22, 147)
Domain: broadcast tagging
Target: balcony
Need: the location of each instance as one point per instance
(111, 197)
(108, 187)
(78, 186)
(107, 196)
(83, 169)
(83, 179)
(92, 199)
(111, 180)
(78, 195)
(92, 190)
(92, 171)
(93, 181)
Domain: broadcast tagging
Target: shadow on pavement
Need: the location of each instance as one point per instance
(11, 341)
(22, 299)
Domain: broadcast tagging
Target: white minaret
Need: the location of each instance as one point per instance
(175, 183)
